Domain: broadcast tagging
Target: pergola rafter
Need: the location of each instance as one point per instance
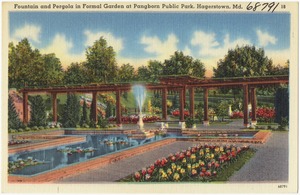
(166, 83)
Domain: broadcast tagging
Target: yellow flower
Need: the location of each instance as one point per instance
(169, 171)
(194, 172)
(193, 156)
(217, 149)
(189, 166)
(207, 150)
(164, 175)
(182, 171)
(201, 152)
(212, 156)
(178, 167)
(176, 177)
(221, 149)
(173, 166)
(184, 160)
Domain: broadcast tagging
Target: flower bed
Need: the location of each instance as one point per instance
(198, 163)
(135, 118)
(176, 113)
(17, 142)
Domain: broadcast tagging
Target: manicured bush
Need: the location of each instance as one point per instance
(27, 129)
(35, 128)
(41, 128)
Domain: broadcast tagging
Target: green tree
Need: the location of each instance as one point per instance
(71, 111)
(179, 64)
(222, 109)
(25, 65)
(53, 72)
(143, 73)
(28, 66)
(281, 70)
(38, 111)
(155, 70)
(126, 73)
(75, 74)
(101, 62)
(246, 61)
(14, 121)
(243, 61)
(84, 117)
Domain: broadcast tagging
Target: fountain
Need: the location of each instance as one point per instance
(139, 93)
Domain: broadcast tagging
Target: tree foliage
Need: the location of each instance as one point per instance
(243, 61)
(71, 111)
(126, 73)
(179, 64)
(281, 104)
(14, 121)
(75, 74)
(28, 66)
(38, 111)
(101, 62)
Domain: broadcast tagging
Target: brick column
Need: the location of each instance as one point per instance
(192, 104)
(205, 100)
(253, 103)
(25, 108)
(181, 105)
(245, 103)
(164, 103)
(54, 107)
(118, 108)
(94, 108)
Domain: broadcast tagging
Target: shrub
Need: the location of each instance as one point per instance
(35, 128)
(20, 130)
(13, 131)
(189, 122)
(41, 128)
(27, 129)
(77, 126)
(86, 126)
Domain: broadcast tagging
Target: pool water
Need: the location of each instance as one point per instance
(53, 158)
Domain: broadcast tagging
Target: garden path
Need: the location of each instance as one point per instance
(124, 167)
(269, 164)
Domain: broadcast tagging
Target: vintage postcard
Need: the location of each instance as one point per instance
(150, 97)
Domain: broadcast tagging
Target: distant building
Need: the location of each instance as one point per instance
(18, 102)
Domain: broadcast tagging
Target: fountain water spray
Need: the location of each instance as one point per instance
(139, 93)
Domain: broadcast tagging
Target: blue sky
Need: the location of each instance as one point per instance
(138, 37)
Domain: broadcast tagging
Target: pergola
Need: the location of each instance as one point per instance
(165, 84)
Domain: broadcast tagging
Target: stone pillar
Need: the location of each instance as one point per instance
(181, 105)
(54, 107)
(164, 103)
(192, 104)
(245, 103)
(118, 108)
(205, 100)
(25, 108)
(253, 103)
(94, 108)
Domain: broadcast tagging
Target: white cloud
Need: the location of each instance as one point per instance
(115, 42)
(264, 38)
(209, 47)
(29, 31)
(162, 49)
(61, 46)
